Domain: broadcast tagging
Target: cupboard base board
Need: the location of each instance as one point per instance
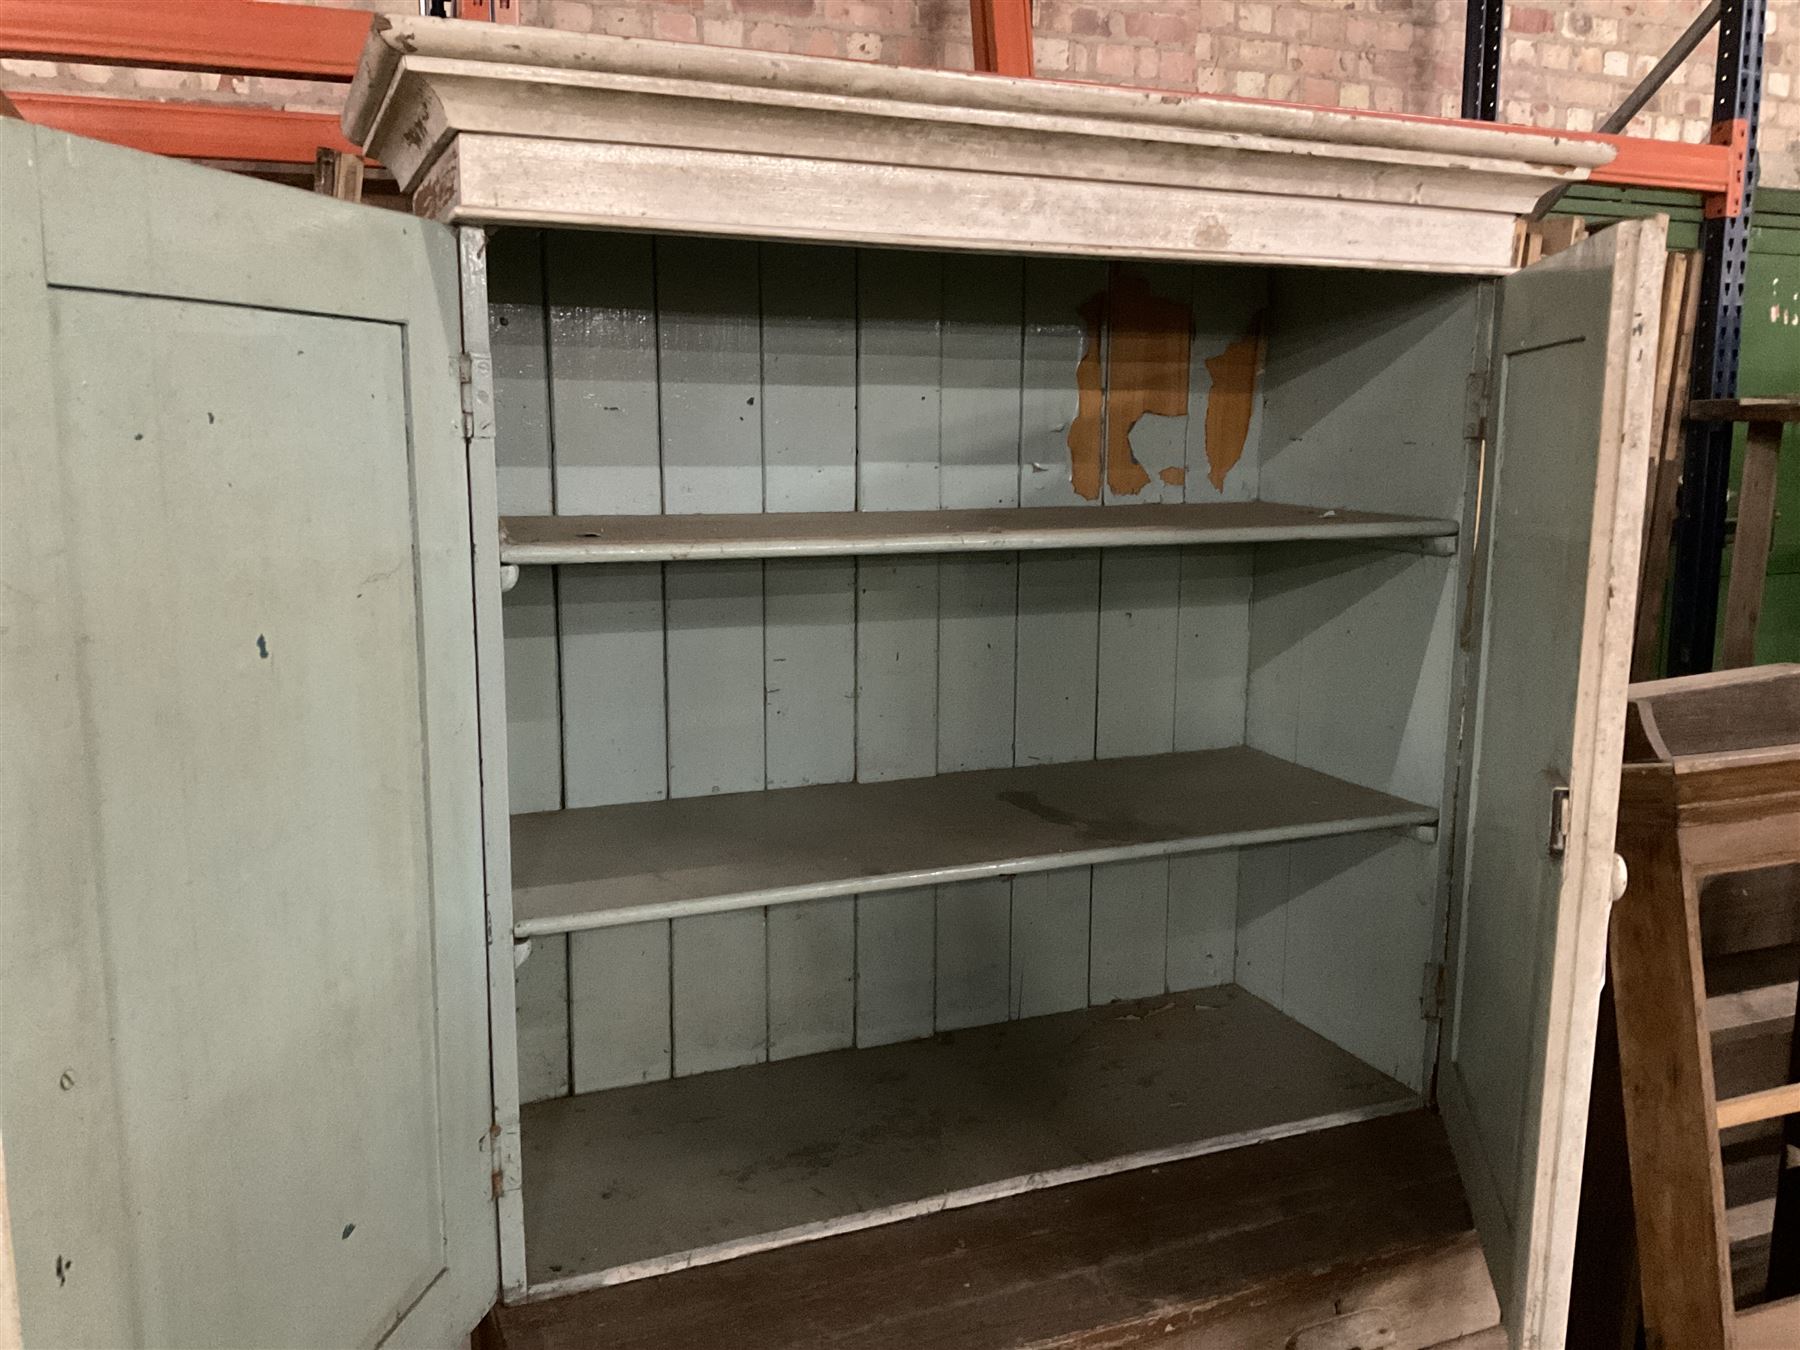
(640, 1181)
(1352, 1236)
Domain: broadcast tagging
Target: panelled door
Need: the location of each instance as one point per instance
(244, 1090)
(1562, 502)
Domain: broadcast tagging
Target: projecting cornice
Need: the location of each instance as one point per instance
(491, 124)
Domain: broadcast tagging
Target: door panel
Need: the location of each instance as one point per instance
(245, 1096)
(1562, 500)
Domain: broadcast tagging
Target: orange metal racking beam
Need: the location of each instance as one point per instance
(189, 130)
(233, 37)
(1002, 35)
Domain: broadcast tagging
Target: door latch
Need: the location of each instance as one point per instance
(1559, 821)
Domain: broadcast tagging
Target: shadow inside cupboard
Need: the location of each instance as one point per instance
(852, 883)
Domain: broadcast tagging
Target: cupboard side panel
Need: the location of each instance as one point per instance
(1353, 654)
(519, 340)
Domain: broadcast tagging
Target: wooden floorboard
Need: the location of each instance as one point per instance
(1352, 1236)
(607, 865)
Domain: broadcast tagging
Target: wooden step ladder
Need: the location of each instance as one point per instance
(1711, 785)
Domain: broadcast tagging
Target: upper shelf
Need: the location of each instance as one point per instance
(604, 865)
(492, 124)
(811, 534)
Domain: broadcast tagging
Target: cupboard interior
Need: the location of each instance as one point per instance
(724, 1046)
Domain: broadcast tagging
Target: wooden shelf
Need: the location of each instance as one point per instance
(608, 865)
(811, 534)
(769, 1155)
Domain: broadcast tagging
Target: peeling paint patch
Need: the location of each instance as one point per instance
(1232, 401)
(1175, 475)
(1135, 363)
(1084, 431)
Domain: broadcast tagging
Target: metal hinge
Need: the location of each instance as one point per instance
(1559, 821)
(1431, 992)
(465, 381)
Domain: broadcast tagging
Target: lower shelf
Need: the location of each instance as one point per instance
(639, 1181)
(1351, 1236)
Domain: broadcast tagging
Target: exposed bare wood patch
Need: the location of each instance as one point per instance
(1233, 398)
(1090, 384)
(1136, 361)
(1148, 352)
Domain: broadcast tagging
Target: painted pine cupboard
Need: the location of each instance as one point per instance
(843, 642)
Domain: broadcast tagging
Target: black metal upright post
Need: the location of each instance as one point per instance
(1725, 250)
(1481, 60)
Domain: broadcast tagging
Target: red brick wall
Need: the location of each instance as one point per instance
(1566, 64)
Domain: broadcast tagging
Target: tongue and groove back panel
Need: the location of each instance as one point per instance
(637, 374)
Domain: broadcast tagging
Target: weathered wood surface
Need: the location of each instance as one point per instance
(1354, 1236)
(671, 538)
(647, 860)
(1711, 785)
(1570, 428)
(1755, 534)
(1745, 410)
(242, 949)
(505, 125)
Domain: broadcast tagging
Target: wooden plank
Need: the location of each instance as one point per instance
(602, 331)
(1750, 546)
(1202, 923)
(899, 380)
(525, 479)
(1271, 1245)
(974, 953)
(1212, 656)
(1665, 481)
(617, 864)
(808, 397)
(709, 354)
(1058, 657)
(1228, 383)
(533, 699)
(614, 741)
(896, 668)
(775, 1153)
(1139, 602)
(898, 411)
(812, 977)
(1058, 632)
(1148, 367)
(896, 952)
(718, 992)
(1128, 930)
(515, 260)
(1665, 1064)
(542, 992)
(1049, 942)
(1768, 1104)
(339, 174)
(612, 539)
(809, 656)
(808, 406)
(619, 1013)
(1786, 409)
(715, 669)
